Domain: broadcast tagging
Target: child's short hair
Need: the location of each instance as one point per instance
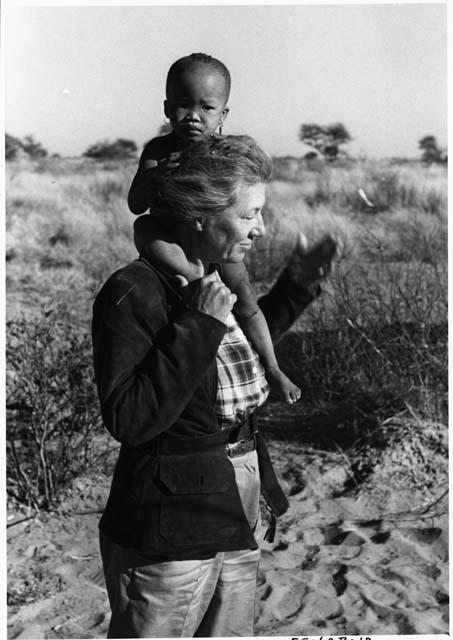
(195, 59)
(208, 176)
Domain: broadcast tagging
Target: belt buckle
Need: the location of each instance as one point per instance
(241, 447)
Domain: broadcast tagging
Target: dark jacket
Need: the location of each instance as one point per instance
(173, 492)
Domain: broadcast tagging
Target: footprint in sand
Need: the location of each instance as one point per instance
(360, 576)
(339, 580)
(426, 536)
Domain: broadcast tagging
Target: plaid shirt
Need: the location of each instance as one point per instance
(242, 386)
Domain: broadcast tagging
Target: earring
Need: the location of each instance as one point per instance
(166, 120)
(220, 127)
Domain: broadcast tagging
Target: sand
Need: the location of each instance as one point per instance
(340, 563)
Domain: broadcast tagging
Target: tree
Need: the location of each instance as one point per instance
(326, 139)
(13, 147)
(431, 151)
(33, 148)
(120, 149)
(314, 135)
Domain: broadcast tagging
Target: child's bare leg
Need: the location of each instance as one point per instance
(283, 385)
(155, 243)
(255, 327)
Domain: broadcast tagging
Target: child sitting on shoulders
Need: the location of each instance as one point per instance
(197, 92)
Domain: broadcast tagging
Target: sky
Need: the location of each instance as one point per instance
(75, 75)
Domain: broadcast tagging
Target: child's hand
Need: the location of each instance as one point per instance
(283, 385)
(168, 164)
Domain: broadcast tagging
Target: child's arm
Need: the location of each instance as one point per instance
(137, 198)
(157, 156)
(254, 325)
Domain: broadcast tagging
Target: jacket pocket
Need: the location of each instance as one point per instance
(195, 473)
(200, 502)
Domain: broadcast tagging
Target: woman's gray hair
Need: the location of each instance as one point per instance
(209, 176)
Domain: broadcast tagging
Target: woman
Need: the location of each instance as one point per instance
(178, 536)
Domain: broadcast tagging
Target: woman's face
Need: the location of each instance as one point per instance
(227, 236)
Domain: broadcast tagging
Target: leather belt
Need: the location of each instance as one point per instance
(230, 438)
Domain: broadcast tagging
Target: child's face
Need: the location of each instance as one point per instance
(195, 103)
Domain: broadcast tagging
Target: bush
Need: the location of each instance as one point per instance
(105, 150)
(52, 407)
(33, 148)
(371, 358)
(13, 147)
(16, 148)
(376, 338)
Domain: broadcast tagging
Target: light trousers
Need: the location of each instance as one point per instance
(187, 598)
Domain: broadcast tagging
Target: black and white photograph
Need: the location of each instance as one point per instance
(226, 320)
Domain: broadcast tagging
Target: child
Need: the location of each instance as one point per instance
(197, 92)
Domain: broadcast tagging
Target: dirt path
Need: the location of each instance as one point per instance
(339, 565)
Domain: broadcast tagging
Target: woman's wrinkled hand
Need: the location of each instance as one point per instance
(209, 295)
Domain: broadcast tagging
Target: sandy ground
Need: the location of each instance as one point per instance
(340, 564)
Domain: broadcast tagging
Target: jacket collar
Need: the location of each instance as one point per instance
(167, 278)
(164, 276)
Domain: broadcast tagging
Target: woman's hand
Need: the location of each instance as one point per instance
(209, 295)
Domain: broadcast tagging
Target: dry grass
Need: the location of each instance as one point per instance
(67, 228)
(373, 343)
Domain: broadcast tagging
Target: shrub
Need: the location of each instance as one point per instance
(105, 150)
(287, 168)
(377, 338)
(15, 148)
(52, 407)
(33, 148)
